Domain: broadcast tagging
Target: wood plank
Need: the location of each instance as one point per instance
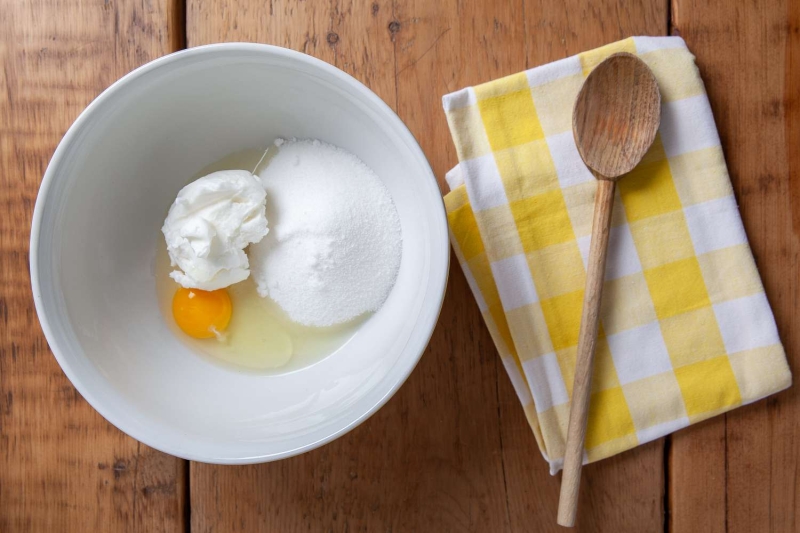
(624, 493)
(749, 57)
(697, 487)
(427, 461)
(452, 450)
(62, 466)
(635, 479)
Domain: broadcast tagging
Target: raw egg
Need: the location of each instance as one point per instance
(202, 314)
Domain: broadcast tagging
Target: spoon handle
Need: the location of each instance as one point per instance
(581, 389)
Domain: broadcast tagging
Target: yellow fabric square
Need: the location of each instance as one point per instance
(761, 371)
(506, 85)
(656, 152)
(708, 386)
(533, 422)
(456, 198)
(498, 329)
(482, 272)
(465, 230)
(563, 317)
(609, 417)
(554, 102)
(579, 200)
(498, 316)
(677, 287)
(557, 269)
(530, 332)
(662, 239)
(703, 342)
(730, 273)
(626, 304)
(671, 67)
(648, 190)
(566, 358)
(604, 374)
(705, 415)
(700, 176)
(526, 170)
(612, 447)
(510, 120)
(554, 424)
(499, 232)
(468, 132)
(542, 220)
(654, 400)
(592, 58)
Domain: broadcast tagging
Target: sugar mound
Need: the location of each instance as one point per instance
(334, 249)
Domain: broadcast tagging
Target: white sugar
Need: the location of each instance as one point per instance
(334, 248)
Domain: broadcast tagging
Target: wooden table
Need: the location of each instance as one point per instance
(451, 451)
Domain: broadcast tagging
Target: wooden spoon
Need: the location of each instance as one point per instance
(614, 122)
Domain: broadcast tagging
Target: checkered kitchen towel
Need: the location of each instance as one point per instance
(686, 330)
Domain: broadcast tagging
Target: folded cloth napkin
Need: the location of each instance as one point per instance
(686, 330)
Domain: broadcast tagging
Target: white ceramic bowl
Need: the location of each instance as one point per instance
(97, 224)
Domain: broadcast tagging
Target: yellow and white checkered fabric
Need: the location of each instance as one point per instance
(686, 330)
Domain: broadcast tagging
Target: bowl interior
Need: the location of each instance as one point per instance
(97, 225)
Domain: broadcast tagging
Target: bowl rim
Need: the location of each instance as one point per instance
(152, 439)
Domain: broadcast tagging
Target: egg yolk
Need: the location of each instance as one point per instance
(202, 314)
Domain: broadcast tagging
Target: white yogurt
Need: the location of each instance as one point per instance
(211, 222)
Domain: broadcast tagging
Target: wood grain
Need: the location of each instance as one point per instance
(749, 58)
(452, 450)
(584, 364)
(696, 475)
(616, 115)
(62, 466)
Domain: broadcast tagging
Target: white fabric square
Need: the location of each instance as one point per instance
(715, 224)
(569, 166)
(650, 44)
(484, 186)
(659, 430)
(746, 323)
(623, 259)
(639, 353)
(454, 178)
(547, 385)
(520, 387)
(687, 125)
(514, 282)
(583, 245)
(457, 100)
(553, 71)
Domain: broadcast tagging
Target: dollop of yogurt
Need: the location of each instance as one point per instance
(211, 222)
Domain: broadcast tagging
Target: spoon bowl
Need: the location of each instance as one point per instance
(616, 115)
